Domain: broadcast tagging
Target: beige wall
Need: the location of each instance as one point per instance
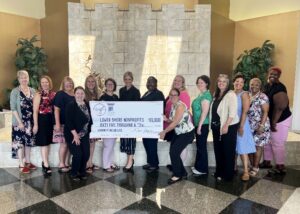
(28, 8)
(54, 31)
(249, 9)
(282, 30)
(156, 4)
(220, 7)
(13, 27)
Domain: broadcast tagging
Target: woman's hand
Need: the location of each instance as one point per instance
(35, 129)
(57, 127)
(162, 135)
(241, 131)
(199, 130)
(21, 126)
(273, 127)
(224, 129)
(76, 139)
(165, 118)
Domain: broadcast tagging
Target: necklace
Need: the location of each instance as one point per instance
(253, 97)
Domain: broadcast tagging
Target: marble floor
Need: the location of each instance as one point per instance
(144, 192)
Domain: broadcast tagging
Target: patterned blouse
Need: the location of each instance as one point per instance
(46, 104)
(185, 125)
(85, 110)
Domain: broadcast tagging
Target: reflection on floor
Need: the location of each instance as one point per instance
(145, 192)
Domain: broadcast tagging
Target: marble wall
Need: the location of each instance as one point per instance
(159, 43)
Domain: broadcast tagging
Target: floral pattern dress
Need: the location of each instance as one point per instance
(255, 115)
(23, 137)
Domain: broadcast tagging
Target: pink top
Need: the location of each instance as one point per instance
(184, 97)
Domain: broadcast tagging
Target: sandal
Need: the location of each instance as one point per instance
(114, 167)
(109, 170)
(254, 172)
(24, 169)
(95, 167)
(245, 177)
(63, 169)
(89, 170)
(30, 166)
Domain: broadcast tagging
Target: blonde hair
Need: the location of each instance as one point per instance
(183, 82)
(48, 79)
(256, 80)
(22, 72)
(91, 95)
(66, 79)
(128, 73)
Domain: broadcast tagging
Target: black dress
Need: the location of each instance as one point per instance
(132, 94)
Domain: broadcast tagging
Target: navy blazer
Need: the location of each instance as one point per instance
(75, 119)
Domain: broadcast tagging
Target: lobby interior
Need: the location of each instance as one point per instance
(68, 32)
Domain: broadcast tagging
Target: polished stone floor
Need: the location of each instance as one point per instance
(144, 192)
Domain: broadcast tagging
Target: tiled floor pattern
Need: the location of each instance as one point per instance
(147, 192)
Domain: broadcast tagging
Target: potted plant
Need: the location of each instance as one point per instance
(30, 58)
(255, 62)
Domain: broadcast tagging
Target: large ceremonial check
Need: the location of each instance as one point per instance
(126, 119)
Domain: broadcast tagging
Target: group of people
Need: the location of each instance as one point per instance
(245, 123)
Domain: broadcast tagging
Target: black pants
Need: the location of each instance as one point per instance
(150, 145)
(225, 147)
(81, 155)
(201, 163)
(178, 144)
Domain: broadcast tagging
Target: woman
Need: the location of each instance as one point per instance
(109, 143)
(179, 83)
(77, 130)
(224, 125)
(61, 100)
(200, 107)
(150, 144)
(245, 142)
(129, 93)
(259, 121)
(21, 104)
(280, 118)
(92, 92)
(180, 121)
(43, 119)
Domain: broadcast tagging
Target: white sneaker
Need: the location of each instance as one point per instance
(196, 172)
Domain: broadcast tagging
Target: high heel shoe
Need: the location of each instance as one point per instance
(46, 170)
(129, 169)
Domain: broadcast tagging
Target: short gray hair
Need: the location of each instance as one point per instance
(22, 72)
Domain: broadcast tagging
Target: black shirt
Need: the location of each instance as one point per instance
(132, 94)
(270, 91)
(215, 118)
(106, 97)
(61, 100)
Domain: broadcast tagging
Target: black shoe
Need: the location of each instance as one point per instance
(152, 169)
(169, 167)
(146, 166)
(46, 170)
(74, 177)
(265, 165)
(130, 169)
(83, 177)
(170, 181)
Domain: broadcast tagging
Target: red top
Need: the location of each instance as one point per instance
(46, 104)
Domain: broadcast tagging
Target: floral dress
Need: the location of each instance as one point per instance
(255, 115)
(26, 137)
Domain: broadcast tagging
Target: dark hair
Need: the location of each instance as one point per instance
(152, 77)
(79, 88)
(205, 79)
(177, 90)
(218, 91)
(238, 75)
(113, 81)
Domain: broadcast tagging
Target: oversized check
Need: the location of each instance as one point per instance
(126, 119)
